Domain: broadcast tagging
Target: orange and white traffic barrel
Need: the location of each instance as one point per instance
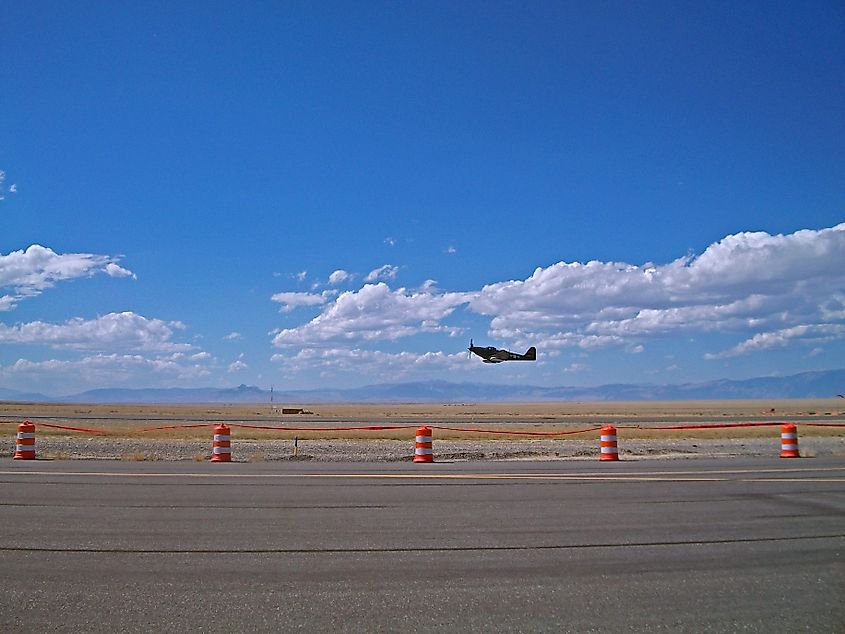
(221, 447)
(609, 450)
(25, 442)
(423, 451)
(789, 441)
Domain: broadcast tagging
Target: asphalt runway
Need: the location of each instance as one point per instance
(755, 545)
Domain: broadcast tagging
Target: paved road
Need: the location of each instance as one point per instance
(701, 546)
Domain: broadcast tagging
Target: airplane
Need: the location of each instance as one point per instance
(490, 354)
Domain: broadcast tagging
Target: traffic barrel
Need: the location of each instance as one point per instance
(422, 449)
(789, 441)
(25, 442)
(609, 450)
(221, 450)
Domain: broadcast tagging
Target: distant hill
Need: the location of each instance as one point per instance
(18, 396)
(241, 394)
(823, 384)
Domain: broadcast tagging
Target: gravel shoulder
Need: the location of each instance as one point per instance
(85, 448)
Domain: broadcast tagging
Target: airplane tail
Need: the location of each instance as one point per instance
(531, 355)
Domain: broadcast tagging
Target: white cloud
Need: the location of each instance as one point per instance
(233, 336)
(833, 309)
(338, 277)
(237, 365)
(806, 334)
(748, 281)
(28, 273)
(375, 363)
(114, 270)
(12, 188)
(7, 302)
(375, 313)
(125, 331)
(102, 369)
(386, 272)
(293, 300)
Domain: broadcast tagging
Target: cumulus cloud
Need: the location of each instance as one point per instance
(7, 303)
(125, 331)
(12, 188)
(292, 300)
(575, 368)
(747, 281)
(104, 369)
(237, 365)
(775, 288)
(339, 277)
(805, 334)
(115, 270)
(386, 272)
(375, 312)
(28, 273)
(376, 363)
(233, 336)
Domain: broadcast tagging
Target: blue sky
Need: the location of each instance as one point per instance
(323, 194)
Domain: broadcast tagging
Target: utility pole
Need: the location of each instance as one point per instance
(273, 408)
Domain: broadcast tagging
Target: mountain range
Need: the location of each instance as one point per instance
(822, 384)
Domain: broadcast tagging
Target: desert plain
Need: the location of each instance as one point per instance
(462, 431)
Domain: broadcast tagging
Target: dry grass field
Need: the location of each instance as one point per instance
(639, 419)
(464, 431)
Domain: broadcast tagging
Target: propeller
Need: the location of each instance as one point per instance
(469, 350)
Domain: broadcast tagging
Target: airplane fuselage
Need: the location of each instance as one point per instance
(491, 354)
